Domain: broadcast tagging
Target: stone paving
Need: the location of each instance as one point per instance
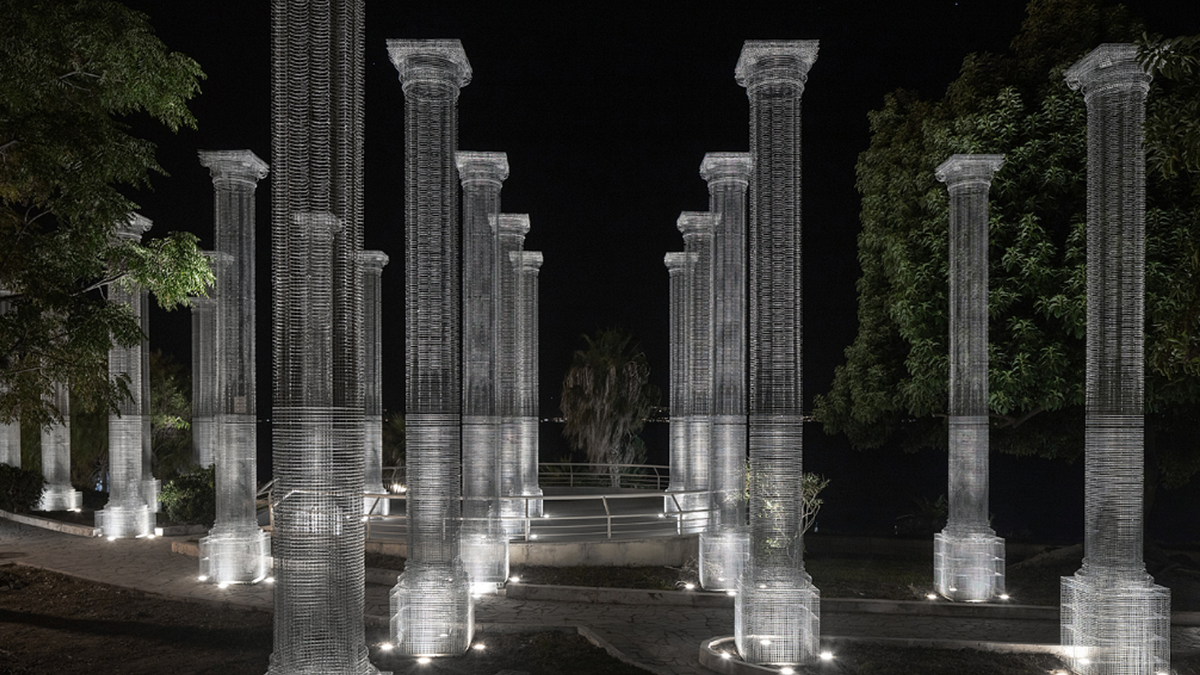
(663, 638)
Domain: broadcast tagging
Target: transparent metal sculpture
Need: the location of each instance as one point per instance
(1115, 620)
(127, 513)
(151, 486)
(679, 265)
(968, 559)
(511, 229)
(777, 609)
(697, 229)
(484, 544)
(724, 544)
(58, 495)
(373, 263)
(318, 60)
(431, 608)
(10, 433)
(526, 265)
(236, 549)
(204, 376)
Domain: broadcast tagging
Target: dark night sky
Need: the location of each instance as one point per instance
(605, 115)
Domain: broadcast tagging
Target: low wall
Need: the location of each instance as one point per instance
(655, 552)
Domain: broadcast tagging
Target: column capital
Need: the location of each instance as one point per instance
(766, 62)
(236, 165)
(481, 167)
(678, 261)
(437, 62)
(373, 261)
(968, 169)
(1111, 65)
(696, 222)
(526, 261)
(133, 228)
(511, 224)
(726, 167)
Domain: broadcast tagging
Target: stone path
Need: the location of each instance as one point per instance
(664, 638)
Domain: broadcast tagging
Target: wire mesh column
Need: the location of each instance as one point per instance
(236, 550)
(58, 494)
(968, 559)
(723, 545)
(373, 263)
(431, 608)
(511, 229)
(10, 432)
(1115, 620)
(697, 229)
(526, 265)
(679, 265)
(317, 417)
(777, 609)
(127, 513)
(484, 544)
(204, 377)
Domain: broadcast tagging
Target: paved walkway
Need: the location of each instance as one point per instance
(663, 638)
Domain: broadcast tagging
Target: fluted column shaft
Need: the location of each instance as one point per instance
(204, 378)
(526, 265)
(697, 229)
(678, 265)
(373, 263)
(511, 229)
(58, 493)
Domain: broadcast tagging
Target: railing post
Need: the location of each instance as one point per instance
(607, 514)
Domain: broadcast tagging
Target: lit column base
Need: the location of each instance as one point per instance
(968, 568)
(60, 498)
(432, 611)
(235, 555)
(484, 551)
(376, 502)
(777, 617)
(722, 559)
(120, 521)
(150, 489)
(1116, 627)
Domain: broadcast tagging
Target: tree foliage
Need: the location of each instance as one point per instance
(893, 386)
(606, 397)
(170, 415)
(75, 73)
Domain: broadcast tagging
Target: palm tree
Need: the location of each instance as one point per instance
(606, 397)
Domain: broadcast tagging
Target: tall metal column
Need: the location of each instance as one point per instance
(484, 544)
(317, 418)
(968, 558)
(431, 608)
(10, 434)
(511, 229)
(526, 265)
(1115, 620)
(373, 263)
(777, 609)
(723, 545)
(58, 494)
(204, 377)
(679, 266)
(127, 514)
(236, 550)
(697, 229)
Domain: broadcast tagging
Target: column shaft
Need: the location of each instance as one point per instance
(373, 263)
(526, 265)
(511, 229)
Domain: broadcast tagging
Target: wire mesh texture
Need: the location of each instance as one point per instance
(968, 557)
(1115, 620)
(127, 513)
(526, 265)
(373, 263)
(678, 263)
(204, 378)
(317, 56)
(511, 229)
(484, 544)
(697, 229)
(431, 608)
(10, 433)
(57, 494)
(776, 608)
(236, 550)
(724, 543)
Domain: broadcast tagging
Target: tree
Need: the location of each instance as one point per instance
(74, 73)
(605, 399)
(170, 415)
(893, 385)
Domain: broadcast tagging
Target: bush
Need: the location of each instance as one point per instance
(191, 498)
(20, 489)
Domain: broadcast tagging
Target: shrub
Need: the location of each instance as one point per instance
(191, 498)
(20, 489)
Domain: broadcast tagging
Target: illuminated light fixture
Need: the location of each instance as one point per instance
(112, 538)
(765, 643)
(479, 646)
(386, 646)
(726, 655)
(731, 593)
(787, 670)
(931, 596)
(515, 579)
(662, 515)
(533, 536)
(826, 656)
(689, 587)
(150, 536)
(545, 515)
(202, 577)
(269, 580)
(223, 585)
(424, 660)
(1004, 596)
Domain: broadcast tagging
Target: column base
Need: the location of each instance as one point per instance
(282, 665)
(150, 489)
(484, 553)
(1115, 626)
(117, 521)
(235, 554)
(60, 498)
(722, 559)
(968, 567)
(432, 612)
(777, 617)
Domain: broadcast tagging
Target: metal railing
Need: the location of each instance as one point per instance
(571, 474)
